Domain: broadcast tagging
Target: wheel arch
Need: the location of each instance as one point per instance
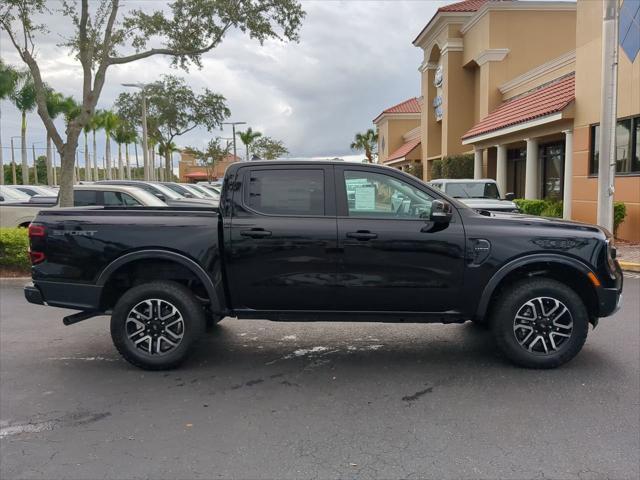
(570, 271)
(167, 256)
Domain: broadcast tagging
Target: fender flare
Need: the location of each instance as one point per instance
(497, 277)
(190, 264)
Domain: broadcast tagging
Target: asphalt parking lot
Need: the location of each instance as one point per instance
(293, 400)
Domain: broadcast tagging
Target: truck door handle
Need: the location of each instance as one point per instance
(255, 233)
(362, 235)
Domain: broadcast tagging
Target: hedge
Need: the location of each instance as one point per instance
(14, 243)
(552, 208)
(454, 166)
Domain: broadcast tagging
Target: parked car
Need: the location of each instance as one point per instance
(286, 244)
(213, 186)
(162, 192)
(21, 215)
(208, 193)
(33, 190)
(10, 195)
(191, 191)
(481, 194)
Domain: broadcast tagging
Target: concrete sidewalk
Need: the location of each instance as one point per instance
(628, 255)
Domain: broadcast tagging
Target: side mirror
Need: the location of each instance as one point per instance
(510, 196)
(1, 198)
(441, 211)
(161, 196)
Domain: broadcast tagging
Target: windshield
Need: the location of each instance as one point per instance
(194, 191)
(204, 191)
(11, 195)
(167, 192)
(179, 189)
(472, 190)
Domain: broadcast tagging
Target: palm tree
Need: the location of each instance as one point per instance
(109, 122)
(122, 135)
(130, 137)
(367, 142)
(166, 150)
(24, 98)
(8, 81)
(94, 125)
(247, 137)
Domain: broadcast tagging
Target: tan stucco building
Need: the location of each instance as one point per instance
(518, 85)
(190, 171)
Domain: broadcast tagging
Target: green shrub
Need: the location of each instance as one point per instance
(619, 214)
(14, 243)
(531, 207)
(457, 166)
(552, 209)
(436, 169)
(414, 169)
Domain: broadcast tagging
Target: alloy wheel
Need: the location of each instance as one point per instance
(543, 325)
(155, 326)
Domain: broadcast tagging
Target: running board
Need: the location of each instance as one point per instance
(80, 316)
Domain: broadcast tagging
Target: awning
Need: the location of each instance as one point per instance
(539, 106)
(404, 150)
(196, 175)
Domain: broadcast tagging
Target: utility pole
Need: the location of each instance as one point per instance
(608, 114)
(233, 126)
(145, 145)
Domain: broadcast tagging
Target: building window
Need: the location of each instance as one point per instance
(627, 147)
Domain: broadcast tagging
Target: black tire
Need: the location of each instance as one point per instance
(172, 297)
(519, 299)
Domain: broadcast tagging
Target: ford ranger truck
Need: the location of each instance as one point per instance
(330, 241)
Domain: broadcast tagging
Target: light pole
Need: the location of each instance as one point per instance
(145, 147)
(13, 163)
(233, 125)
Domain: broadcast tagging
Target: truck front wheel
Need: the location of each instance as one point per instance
(154, 325)
(540, 323)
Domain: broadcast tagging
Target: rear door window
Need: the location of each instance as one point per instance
(119, 199)
(286, 191)
(85, 198)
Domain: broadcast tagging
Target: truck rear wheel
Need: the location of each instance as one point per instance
(540, 323)
(154, 325)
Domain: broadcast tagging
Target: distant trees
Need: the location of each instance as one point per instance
(24, 98)
(268, 148)
(366, 142)
(8, 82)
(109, 34)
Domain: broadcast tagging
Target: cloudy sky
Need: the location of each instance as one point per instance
(354, 58)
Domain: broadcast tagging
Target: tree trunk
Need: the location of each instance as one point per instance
(67, 168)
(35, 164)
(95, 158)
(152, 161)
(49, 162)
(23, 149)
(126, 153)
(1, 157)
(247, 146)
(87, 158)
(168, 165)
(107, 156)
(120, 164)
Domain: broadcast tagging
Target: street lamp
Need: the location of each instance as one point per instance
(13, 162)
(145, 147)
(233, 125)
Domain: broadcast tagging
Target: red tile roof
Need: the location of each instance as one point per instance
(466, 6)
(408, 106)
(552, 98)
(404, 150)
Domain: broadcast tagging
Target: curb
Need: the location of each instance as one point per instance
(629, 266)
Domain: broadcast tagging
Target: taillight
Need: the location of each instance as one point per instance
(36, 232)
(36, 257)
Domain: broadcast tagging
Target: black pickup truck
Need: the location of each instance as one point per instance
(309, 241)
